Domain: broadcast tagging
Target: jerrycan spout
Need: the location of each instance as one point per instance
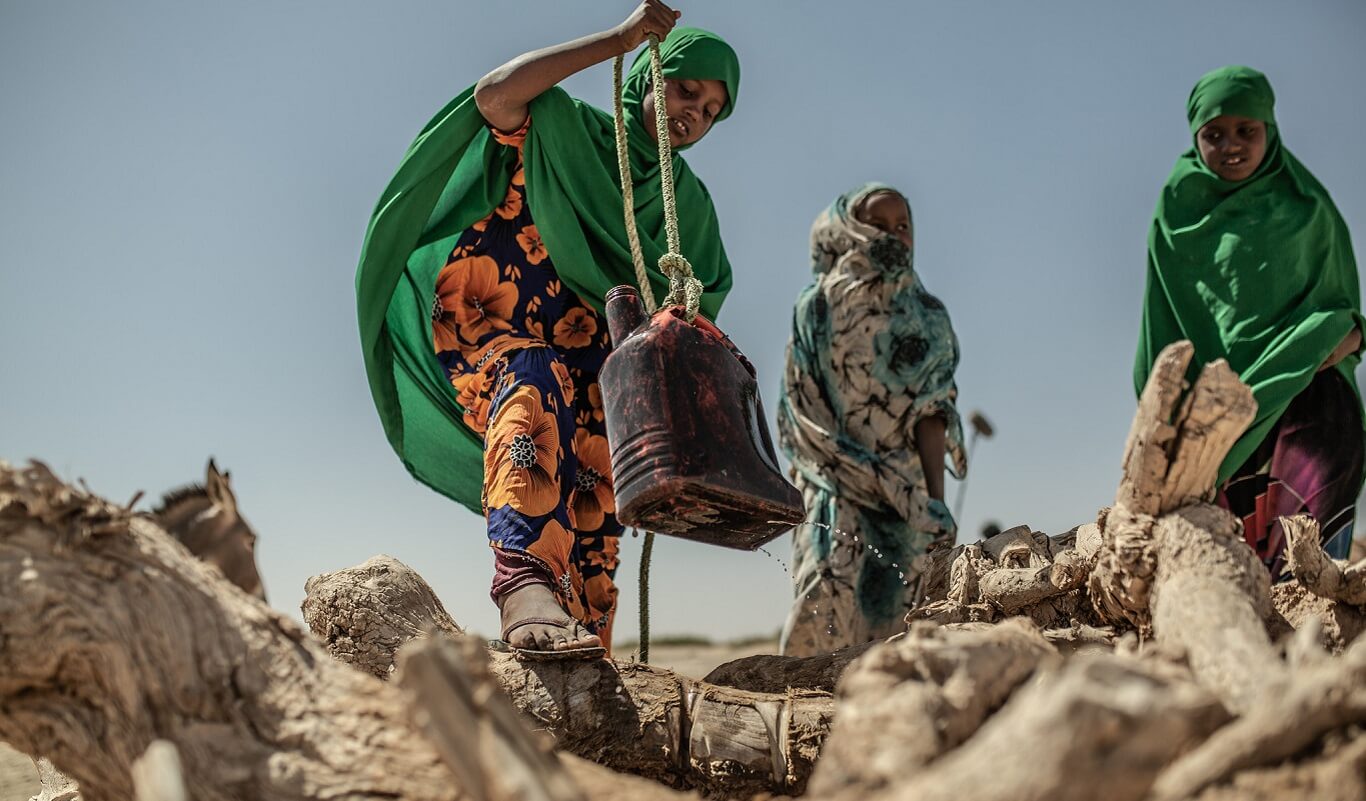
(625, 313)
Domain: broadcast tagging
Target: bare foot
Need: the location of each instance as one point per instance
(537, 601)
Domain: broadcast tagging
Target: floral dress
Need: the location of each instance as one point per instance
(872, 354)
(523, 354)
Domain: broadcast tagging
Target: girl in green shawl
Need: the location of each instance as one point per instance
(480, 290)
(1249, 259)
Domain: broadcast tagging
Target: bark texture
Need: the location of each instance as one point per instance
(112, 636)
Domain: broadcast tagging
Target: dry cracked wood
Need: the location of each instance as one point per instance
(343, 609)
(1315, 569)
(1322, 697)
(903, 704)
(1017, 572)
(1098, 727)
(108, 626)
(631, 717)
(464, 713)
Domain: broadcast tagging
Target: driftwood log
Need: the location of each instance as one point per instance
(113, 636)
(631, 717)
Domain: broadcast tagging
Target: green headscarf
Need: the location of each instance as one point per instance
(1259, 272)
(455, 173)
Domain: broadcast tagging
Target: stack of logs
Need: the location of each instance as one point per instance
(1144, 656)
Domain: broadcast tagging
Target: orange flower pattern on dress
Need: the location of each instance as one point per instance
(473, 396)
(561, 374)
(522, 456)
(577, 328)
(592, 498)
(530, 240)
(531, 397)
(473, 301)
(511, 205)
(595, 401)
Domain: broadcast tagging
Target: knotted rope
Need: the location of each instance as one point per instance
(684, 288)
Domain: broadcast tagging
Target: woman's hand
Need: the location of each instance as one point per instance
(504, 95)
(1350, 344)
(651, 18)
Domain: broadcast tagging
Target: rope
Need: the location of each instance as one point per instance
(684, 288)
(645, 596)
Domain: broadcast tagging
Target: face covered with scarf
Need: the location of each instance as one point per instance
(1248, 257)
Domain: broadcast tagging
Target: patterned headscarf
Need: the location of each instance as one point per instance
(867, 335)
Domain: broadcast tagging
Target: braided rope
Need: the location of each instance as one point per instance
(628, 192)
(684, 288)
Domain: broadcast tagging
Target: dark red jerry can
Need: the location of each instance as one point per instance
(691, 452)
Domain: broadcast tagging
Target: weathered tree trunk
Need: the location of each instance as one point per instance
(364, 614)
(904, 704)
(112, 636)
(1173, 564)
(1100, 727)
(630, 717)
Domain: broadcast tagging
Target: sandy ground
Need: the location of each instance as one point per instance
(19, 781)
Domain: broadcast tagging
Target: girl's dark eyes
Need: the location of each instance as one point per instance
(1247, 133)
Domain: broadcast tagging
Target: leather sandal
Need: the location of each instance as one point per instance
(552, 655)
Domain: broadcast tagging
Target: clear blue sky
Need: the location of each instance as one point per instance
(184, 188)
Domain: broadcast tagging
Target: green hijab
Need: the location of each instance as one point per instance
(1259, 272)
(455, 173)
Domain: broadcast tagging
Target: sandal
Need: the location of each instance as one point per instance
(553, 655)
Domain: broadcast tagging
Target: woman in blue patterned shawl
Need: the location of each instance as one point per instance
(867, 418)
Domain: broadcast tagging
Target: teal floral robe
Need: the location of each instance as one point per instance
(872, 354)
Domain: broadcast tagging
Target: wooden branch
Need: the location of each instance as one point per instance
(1099, 727)
(903, 704)
(456, 703)
(1315, 569)
(1288, 718)
(53, 784)
(1338, 623)
(1147, 452)
(364, 614)
(112, 636)
(1210, 597)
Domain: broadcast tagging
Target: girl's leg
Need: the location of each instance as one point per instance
(528, 455)
(1310, 463)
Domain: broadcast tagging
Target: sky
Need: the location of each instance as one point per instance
(184, 188)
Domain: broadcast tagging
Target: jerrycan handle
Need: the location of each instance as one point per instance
(625, 312)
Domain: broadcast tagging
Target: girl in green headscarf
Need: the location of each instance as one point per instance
(1249, 259)
(480, 289)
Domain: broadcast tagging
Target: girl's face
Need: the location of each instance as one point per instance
(691, 106)
(1233, 147)
(887, 212)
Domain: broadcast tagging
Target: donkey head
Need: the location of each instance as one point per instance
(204, 518)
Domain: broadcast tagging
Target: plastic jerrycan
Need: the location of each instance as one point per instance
(691, 452)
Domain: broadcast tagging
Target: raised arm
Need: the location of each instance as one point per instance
(504, 94)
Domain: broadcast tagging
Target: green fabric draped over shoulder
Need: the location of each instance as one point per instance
(455, 173)
(1259, 272)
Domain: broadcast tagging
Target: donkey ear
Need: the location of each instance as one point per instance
(217, 485)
